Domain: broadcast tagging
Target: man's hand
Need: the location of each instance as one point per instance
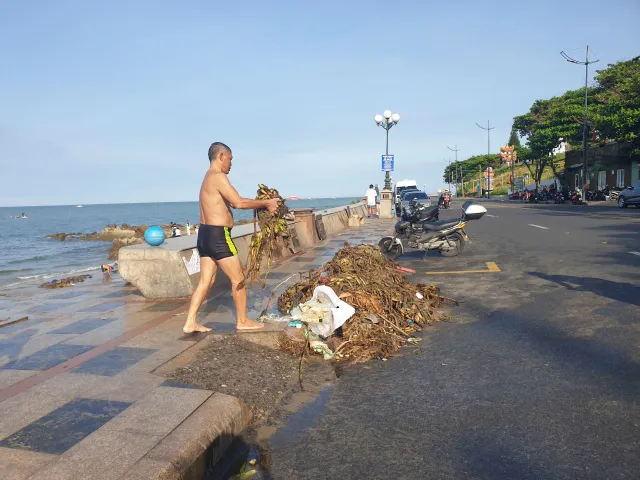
(272, 205)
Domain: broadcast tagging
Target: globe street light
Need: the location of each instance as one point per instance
(386, 121)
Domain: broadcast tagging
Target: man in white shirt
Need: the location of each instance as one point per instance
(371, 200)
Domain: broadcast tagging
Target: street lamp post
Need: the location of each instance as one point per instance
(586, 63)
(457, 150)
(488, 129)
(449, 177)
(387, 120)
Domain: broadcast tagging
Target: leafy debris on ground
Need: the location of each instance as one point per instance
(389, 308)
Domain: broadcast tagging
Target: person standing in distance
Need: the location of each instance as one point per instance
(371, 200)
(216, 248)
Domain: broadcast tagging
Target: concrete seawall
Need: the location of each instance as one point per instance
(172, 270)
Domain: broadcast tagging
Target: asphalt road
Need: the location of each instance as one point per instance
(535, 376)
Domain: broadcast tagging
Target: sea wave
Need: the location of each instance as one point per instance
(29, 259)
(9, 272)
(44, 276)
(52, 275)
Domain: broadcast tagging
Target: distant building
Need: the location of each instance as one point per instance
(508, 155)
(562, 148)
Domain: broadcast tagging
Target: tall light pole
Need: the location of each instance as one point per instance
(449, 177)
(387, 120)
(457, 150)
(585, 176)
(488, 129)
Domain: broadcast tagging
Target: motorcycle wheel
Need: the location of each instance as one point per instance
(389, 248)
(455, 249)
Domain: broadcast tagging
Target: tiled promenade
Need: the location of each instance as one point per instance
(78, 398)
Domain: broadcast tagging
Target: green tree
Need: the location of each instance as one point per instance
(470, 167)
(616, 110)
(514, 139)
(545, 126)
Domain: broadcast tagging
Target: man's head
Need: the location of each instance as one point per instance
(371, 186)
(220, 155)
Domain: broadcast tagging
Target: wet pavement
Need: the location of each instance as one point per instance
(77, 391)
(536, 375)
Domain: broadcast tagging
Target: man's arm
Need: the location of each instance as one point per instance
(232, 196)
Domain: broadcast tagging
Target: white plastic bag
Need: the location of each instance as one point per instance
(324, 312)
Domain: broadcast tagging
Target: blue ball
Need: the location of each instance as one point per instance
(154, 236)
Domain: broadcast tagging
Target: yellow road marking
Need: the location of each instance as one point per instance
(491, 267)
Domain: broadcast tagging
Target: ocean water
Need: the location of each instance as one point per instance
(26, 256)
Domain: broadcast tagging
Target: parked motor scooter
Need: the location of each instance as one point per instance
(417, 212)
(447, 236)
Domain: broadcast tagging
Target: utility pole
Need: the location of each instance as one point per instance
(457, 150)
(488, 129)
(586, 63)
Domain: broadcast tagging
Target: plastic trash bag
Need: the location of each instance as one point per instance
(324, 312)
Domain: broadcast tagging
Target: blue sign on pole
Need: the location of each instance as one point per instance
(387, 163)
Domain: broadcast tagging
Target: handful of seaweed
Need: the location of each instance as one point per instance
(389, 309)
(273, 236)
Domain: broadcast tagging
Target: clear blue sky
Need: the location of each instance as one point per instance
(118, 101)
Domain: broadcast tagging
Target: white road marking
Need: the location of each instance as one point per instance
(493, 216)
(635, 253)
(538, 226)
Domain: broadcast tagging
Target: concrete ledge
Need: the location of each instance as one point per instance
(201, 440)
(172, 270)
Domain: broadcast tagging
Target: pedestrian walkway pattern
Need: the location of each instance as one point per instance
(77, 391)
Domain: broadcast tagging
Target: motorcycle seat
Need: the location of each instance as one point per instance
(440, 225)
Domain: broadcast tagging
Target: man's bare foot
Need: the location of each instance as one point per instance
(193, 327)
(249, 326)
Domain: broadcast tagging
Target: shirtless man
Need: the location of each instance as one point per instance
(217, 197)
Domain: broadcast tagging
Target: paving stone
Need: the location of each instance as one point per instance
(47, 358)
(58, 431)
(69, 295)
(113, 361)
(9, 377)
(49, 307)
(278, 275)
(28, 406)
(125, 387)
(103, 307)
(99, 335)
(164, 306)
(176, 384)
(83, 326)
(161, 411)
(21, 464)
(104, 455)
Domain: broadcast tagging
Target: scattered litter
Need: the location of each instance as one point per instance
(419, 295)
(274, 317)
(5, 322)
(405, 270)
(296, 324)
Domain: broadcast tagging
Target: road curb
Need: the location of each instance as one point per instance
(197, 443)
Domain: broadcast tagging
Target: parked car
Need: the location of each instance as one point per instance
(417, 195)
(399, 197)
(400, 186)
(630, 196)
